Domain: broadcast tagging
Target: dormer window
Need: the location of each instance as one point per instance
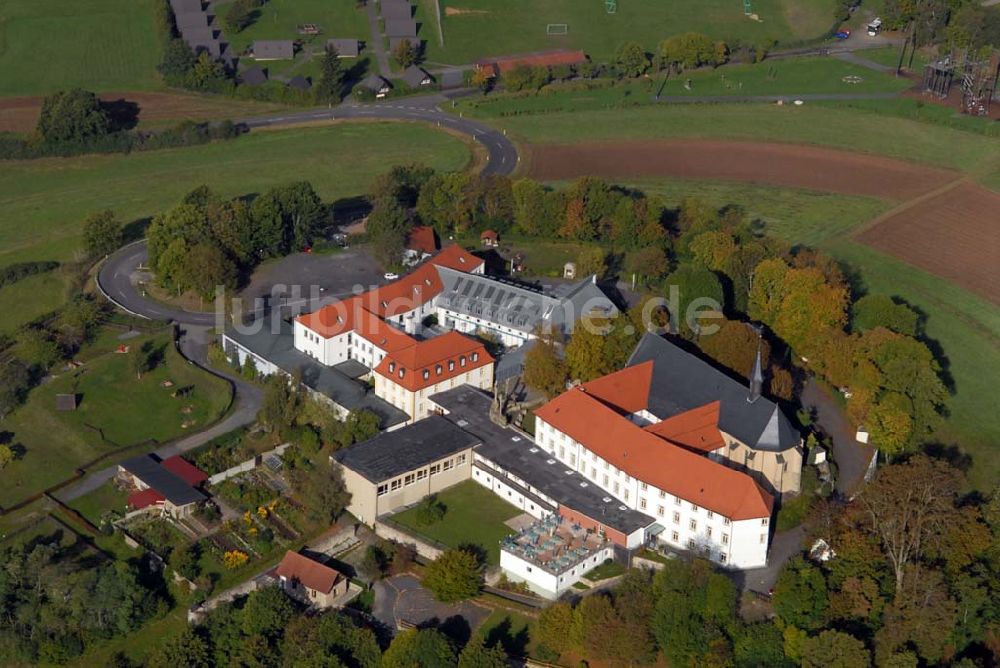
(392, 367)
(427, 374)
(475, 357)
(438, 369)
(385, 304)
(461, 360)
(402, 372)
(451, 365)
(427, 281)
(462, 260)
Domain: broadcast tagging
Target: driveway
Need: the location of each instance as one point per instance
(852, 458)
(403, 599)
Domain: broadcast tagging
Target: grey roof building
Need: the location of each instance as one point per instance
(345, 47)
(400, 28)
(396, 9)
(516, 455)
(683, 381)
(394, 42)
(376, 84)
(279, 349)
(174, 489)
(415, 77)
(393, 453)
(185, 6)
(254, 76)
(273, 49)
(300, 83)
(189, 20)
(517, 306)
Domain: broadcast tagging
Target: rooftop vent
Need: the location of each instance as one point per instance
(550, 461)
(568, 471)
(583, 484)
(606, 499)
(515, 438)
(622, 508)
(533, 450)
(463, 423)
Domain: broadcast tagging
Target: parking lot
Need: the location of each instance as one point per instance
(402, 601)
(303, 281)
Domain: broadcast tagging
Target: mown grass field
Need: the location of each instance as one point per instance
(112, 400)
(478, 28)
(473, 515)
(44, 202)
(965, 327)
(97, 44)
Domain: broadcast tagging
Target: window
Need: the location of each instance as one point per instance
(427, 374)
(605, 480)
(660, 511)
(461, 459)
(694, 508)
(763, 538)
(643, 486)
(448, 464)
(710, 514)
(438, 369)
(396, 484)
(382, 489)
(677, 518)
(674, 536)
(722, 557)
(461, 360)
(708, 532)
(475, 357)
(725, 539)
(725, 521)
(617, 487)
(435, 469)
(451, 365)
(663, 494)
(392, 367)
(690, 543)
(763, 522)
(677, 500)
(421, 474)
(693, 525)
(625, 495)
(642, 504)
(408, 480)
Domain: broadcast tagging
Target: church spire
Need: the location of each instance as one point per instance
(756, 374)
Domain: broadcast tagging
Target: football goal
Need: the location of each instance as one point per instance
(556, 28)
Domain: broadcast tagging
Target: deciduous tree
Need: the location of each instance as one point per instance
(454, 576)
(72, 116)
(419, 648)
(833, 649)
(102, 233)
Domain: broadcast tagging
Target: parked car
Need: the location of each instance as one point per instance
(390, 276)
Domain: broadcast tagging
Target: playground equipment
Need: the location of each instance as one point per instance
(747, 7)
(611, 6)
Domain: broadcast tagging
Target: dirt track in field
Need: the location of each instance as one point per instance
(787, 165)
(943, 223)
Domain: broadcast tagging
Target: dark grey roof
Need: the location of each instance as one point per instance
(396, 9)
(517, 306)
(469, 409)
(415, 76)
(300, 83)
(346, 48)
(511, 362)
(451, 78)
(279, 349)
(198, 35)
(393, 453)
(683, 381)
(196, 19)
(394, 42)
(352, 368)
(400, 28)
(376, 83)
(174, 489)
(273, 49)
(254, 76)
(185, 6)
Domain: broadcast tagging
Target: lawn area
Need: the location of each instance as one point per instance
(95, 504)
(45, 201)
(513, 630)
(793, 76)
(278, 19)
(99, 44)
(889, 55)
(110, 400)
(845, 128)
(608, 569)
(477, 28)
(473, 514)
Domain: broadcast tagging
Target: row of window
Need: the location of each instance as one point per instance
(421, 474)
(438, 369)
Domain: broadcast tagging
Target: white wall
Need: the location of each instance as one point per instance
(544, 583)
(498, 486)
(470, 325)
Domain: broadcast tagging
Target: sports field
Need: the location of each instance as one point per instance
(517, 26)
(50, 45)
(44, 202)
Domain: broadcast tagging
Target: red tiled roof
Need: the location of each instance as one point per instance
(145, 498)
(350, 315)
(653, 460)
(416, 288)
(310, 574)
(488, 234)
(626, 390)
(538, 58)
(457, 258)
(440, 357)
(188, 472)
(696, 429)
(423, 239)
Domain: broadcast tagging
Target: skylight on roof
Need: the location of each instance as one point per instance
(462, 423)
(533, 450)
(515, 438)
(550, 461)
(606, 499)
(583, 484)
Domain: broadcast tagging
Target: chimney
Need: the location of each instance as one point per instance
(756, 375)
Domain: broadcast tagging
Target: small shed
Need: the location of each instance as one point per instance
(300, 83)
(396, 9)
(400, 28)
(376, 84)
(254, 76)
(489, 239)
(273, 49)
(416, 77)
(66, 402)
(345, 47)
